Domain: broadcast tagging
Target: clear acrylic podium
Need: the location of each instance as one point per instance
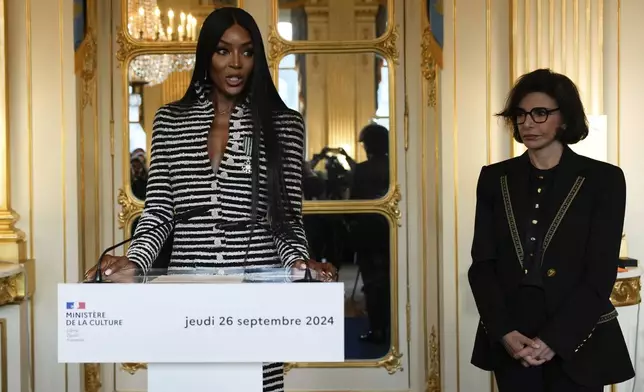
(202, 329)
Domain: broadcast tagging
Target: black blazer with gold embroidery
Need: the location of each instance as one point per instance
(578, 264)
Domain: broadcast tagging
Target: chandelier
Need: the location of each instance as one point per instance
(147, 23)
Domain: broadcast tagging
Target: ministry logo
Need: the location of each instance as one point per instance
(75, 305)
(79, 317)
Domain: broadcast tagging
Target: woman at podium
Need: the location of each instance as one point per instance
(546, 245)
(230, 144)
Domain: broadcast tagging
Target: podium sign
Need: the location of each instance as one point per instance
(201, 323)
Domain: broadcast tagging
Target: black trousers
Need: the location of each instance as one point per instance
(546, 378)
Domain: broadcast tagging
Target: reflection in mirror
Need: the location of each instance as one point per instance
(154, 80)
(344, 99)
(169, 20)
(331, 20)
(358, 245)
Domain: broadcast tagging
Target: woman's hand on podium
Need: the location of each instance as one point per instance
(326, 271)
(118, 269)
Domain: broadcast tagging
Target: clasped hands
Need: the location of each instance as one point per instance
(530, 352)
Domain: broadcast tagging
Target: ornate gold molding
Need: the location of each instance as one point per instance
(388, 45)
(129, 208)
(125, 46)
(626, 292)
(428, 66)
(277, 47)
(390, 205)
(88, 68)
(392, 362)
(12, 289)
(133, 367)
(12, 240)
(92, 377)
(433, 383)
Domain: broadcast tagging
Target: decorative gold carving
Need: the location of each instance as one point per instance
(12, 288)
(12, 240)
(133, 367)
(88, 70)
(428, 66)
(388, 45)
(626, 292)
(128, 208)
(277, 47)
(392, 362)
(125, 46)
(433, 383)
(92, 377)
(390, 205)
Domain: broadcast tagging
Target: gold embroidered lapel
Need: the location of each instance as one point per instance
(512, 223)
(560, 214)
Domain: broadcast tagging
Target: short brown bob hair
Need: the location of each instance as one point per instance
(560, 88)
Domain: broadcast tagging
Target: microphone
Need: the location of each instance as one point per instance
(184, 216)
(281, 234)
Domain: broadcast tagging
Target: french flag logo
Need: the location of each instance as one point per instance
(76, 305)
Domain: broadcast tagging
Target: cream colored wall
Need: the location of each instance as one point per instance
(473, 78)
(43, 160)
(480, 59)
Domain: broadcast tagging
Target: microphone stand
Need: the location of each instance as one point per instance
(308, 278)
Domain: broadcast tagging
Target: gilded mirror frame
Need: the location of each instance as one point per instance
(385, 46)
(276, 42)
(128, 44)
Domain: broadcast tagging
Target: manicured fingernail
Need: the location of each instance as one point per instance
(108, 272)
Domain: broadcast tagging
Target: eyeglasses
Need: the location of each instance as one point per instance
(539, 115)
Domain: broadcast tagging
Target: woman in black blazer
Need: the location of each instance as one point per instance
(545, 250)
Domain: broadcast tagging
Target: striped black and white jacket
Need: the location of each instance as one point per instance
(181, 177)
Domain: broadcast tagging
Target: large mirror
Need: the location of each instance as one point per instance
(359, 246)
(169, 20)
(344, 99)
(153, 81)
(331, 20)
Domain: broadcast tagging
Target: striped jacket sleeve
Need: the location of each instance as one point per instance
(158, 202)
(294, 247)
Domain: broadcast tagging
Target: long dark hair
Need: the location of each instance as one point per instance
(264, 101)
